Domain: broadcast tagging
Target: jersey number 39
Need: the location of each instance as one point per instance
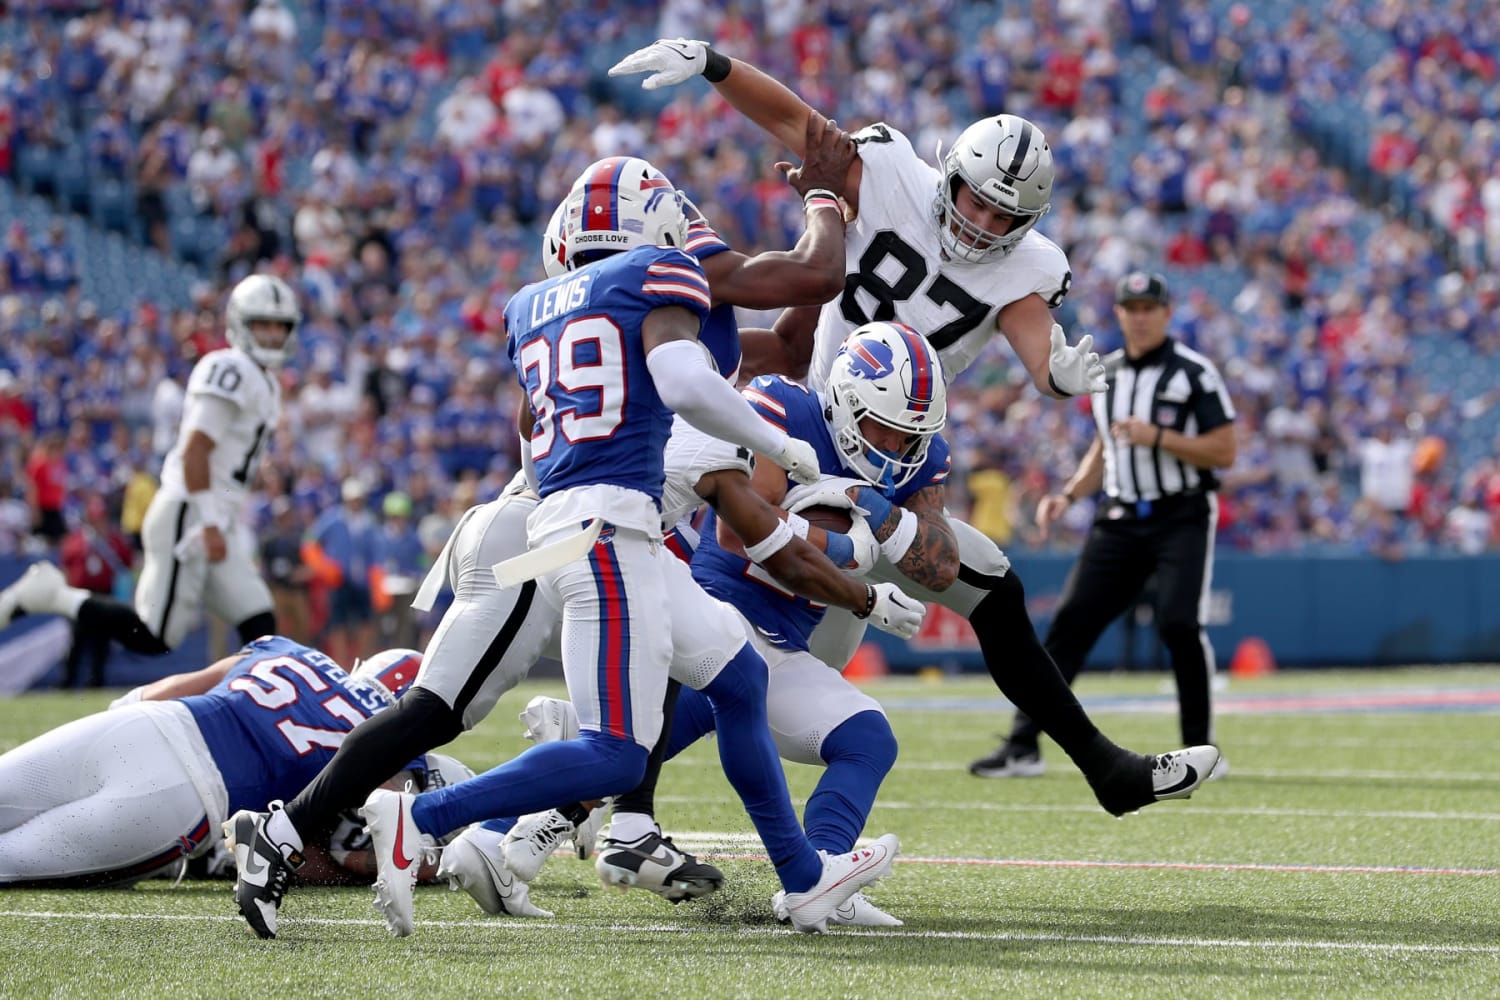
(579, 387)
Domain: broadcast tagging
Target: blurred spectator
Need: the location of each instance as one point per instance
(47, 487)
(97, 558)
(286, 573)
(344, 545)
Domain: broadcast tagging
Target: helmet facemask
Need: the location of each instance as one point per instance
(890, 374)
(1007, 164)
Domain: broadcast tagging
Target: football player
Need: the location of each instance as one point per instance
(604, 349)
(117, 796)
(197, 553)
(952, 252)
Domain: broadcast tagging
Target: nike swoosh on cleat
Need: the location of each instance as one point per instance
(1188, 781)
(396, 852)
(253, 864)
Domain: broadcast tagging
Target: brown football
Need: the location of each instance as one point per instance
(827, 518)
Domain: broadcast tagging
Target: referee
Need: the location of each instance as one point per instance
(1164, 425)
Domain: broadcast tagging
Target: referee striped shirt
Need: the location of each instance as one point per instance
(1171, 386)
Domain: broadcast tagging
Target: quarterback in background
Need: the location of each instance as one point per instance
(197, 554)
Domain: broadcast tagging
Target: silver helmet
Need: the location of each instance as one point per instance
(1007, 163)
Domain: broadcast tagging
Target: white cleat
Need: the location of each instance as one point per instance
(843, 876)
(549, 720)
(532, 840)
(857, 912)
(36, 592)
(475, 862)
(398, 848)
(1178, 774)
(586, 837)
(1220, 769)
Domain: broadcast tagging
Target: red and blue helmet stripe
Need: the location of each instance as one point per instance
(601, 203)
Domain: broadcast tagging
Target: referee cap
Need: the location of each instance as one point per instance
(1142, 286)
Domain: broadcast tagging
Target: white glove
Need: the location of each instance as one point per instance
(896, 612)
(1075, 370)
(670, 61)
(829, 491)
(799, 460)
(866, 548)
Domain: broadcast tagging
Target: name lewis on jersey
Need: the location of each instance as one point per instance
(561, 298)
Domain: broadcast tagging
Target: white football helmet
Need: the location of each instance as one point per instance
(262, 297)
(1007, 162)
(619, 203)
(555, 242)
(391, 671)
(888, 372)
(443, 771)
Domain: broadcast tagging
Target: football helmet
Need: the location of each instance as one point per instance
(391, 671)
(555, 243)
(262, 297)
(619, 203)
(888, 372)
(443, 771)
(1008, 164)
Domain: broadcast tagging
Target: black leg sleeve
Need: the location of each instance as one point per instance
(255, 626)
(118, 621)
(642, 798)
(377, 748)
(1026, 675)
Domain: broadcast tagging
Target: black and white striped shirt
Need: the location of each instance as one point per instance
(1172, 387)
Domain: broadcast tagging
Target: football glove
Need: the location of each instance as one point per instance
(1074, 371)
(866, 548)
(895, 611)
(799, 460)
(670, 61)
(829, 491)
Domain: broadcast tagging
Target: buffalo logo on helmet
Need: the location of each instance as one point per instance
(870, 358)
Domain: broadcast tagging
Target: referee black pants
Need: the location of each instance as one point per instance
(1175, 542)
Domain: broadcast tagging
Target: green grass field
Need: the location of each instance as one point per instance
(1350, 852)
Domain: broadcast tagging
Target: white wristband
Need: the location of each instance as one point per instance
(899, 542)
(207, 509)
(779, 538)
(798, 524)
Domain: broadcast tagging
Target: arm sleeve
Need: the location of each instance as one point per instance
(210, 414)
(700, 396)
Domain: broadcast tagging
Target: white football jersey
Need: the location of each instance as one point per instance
(897, 269)
(256, 394)
(691, 455)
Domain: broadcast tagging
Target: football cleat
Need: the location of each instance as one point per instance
(263, 869)
(654, 863)
(858, 911)
(36, 592)
(586, 837)
(1010, 761)
(549, 720)
(398, 848)
(843, 876)
(474, 862)
(533, 839)
(1220, 769)
(1178, 774)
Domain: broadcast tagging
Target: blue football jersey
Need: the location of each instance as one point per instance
(784, 618)
(721, 331)
(277, 718)
(576, 344)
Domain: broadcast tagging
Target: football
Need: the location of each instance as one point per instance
(828, 518)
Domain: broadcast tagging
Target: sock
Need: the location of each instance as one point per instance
(752, 765)
(1026, 675)
(107, 616)
(628, 827)
(642, 798)
(692, 720)
(590, 767)
(859, 754)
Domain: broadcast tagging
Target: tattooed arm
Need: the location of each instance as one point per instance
(931, 558)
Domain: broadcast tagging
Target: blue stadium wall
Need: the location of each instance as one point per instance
(1312, 611)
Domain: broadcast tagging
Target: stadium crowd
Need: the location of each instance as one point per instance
(395, 161)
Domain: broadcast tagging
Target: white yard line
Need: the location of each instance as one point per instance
(563, 927)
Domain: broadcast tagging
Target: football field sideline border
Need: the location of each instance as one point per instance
(553, 926)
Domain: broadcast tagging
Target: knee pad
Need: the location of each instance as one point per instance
(866, 738)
